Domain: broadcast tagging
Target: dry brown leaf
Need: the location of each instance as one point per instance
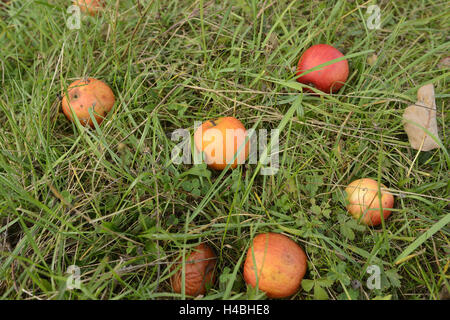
(422, 114)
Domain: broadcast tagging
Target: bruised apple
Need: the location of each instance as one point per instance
(220, 140)
(85, 94)
(91, 7)
(363, 200)
(281, 265)
(199, 271)
(328, 79)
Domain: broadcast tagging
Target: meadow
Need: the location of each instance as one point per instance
(112, 202)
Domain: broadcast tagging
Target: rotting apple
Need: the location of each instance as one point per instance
(328, 79)
(281, 265)
(92, 7)
(85, 94)
(220, 140)
(363, 200)
(199, 271)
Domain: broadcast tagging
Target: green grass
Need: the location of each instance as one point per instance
(111, 201)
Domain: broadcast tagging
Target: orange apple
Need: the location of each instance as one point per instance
(363, 200)
(85, 94)
(281, 265)
(199, 271)
(220, 140)
(91, 7)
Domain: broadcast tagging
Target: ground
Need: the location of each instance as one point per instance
(111, 203)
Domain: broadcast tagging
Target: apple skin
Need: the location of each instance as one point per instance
(363, 199)
(281, 265)
(211, 139)
(85, 94)
(329, 79)
(199, 271)
(92, 7)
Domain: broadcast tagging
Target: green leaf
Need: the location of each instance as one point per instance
(223, 278)
(347, 232)
(66, 195)
(354, 294)
(186, 185)
(394, 278)
(299, 107)
(320, 293)
(106, 226)
(199, 170)
(339, 273)
(130, 247)
(195, 183)
(352, 223)
(316, 209)
(307, 284)
(324, 282)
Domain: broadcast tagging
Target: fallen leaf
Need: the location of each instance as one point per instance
(422, 115)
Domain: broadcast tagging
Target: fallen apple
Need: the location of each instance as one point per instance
(364, 200)
(199, 271)
(92, 7)
(328, 79)
(85, 94)
(281, 265)
(220, 140)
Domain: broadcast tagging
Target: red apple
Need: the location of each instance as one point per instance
(363, 200)
(327, 79)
